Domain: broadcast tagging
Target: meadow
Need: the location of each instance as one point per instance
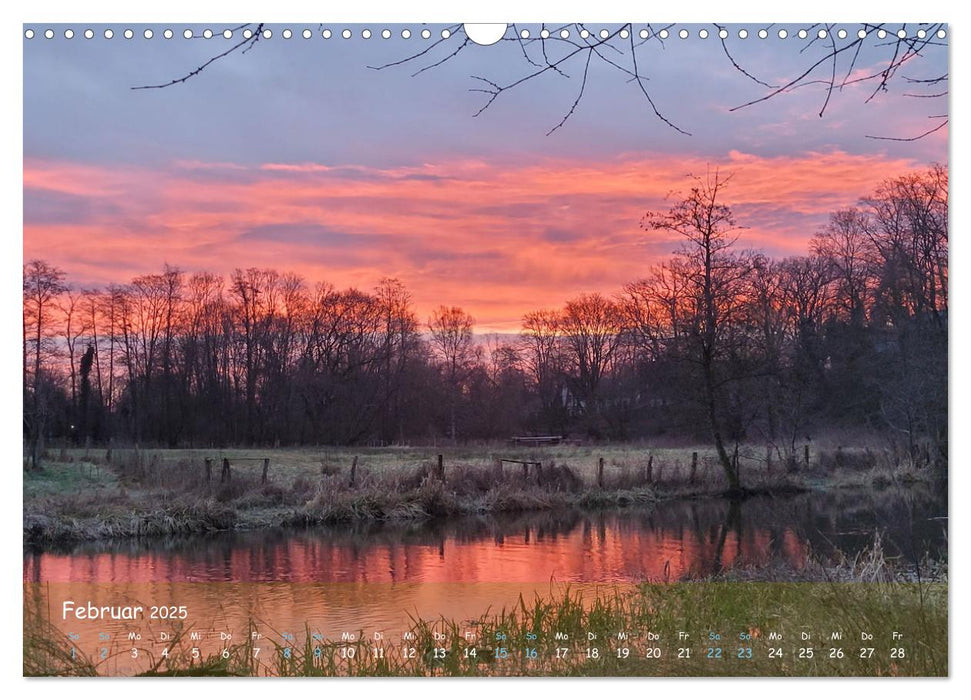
(92, 494)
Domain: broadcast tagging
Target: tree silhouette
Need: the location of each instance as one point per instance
(451, 332)
(714, 280)
(713, 343)
(42, 285)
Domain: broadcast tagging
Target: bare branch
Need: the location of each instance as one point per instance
(640, 84)
(546, 58)
(452, 31)
(832, 79)
(606, 48)
(438, 63)
(735, 63)
(798, 79)
(251, 41)
(583, 86)
(912, 138)
(522, 47)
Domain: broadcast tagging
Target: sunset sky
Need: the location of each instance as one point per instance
(296, 155)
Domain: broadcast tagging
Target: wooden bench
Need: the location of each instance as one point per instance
(536, 440)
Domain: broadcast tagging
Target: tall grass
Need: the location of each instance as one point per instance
(629, 631)
(47, 652)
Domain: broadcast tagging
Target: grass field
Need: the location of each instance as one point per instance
(82, 494)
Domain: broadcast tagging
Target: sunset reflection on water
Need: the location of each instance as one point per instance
(602, 547)
(367, 578)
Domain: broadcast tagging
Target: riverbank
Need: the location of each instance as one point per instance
(80, 495)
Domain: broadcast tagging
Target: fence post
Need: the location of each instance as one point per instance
(600, 473)
(441, 468)
(208, 470)
(497, 468)
(768, 459)
(650, 468)
(694, 467)
(225, 475)
(525, 471)
(805, 454)
(266, 468)
(354, 471)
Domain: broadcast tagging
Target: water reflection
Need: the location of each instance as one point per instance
(674, 540)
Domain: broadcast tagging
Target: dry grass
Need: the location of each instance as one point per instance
(82, 495)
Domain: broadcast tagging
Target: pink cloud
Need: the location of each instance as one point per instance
(497, 240)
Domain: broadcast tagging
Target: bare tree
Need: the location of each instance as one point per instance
(75, 327)
(807, 284)
(93, 316)
(715, 277)
(909, 232)
(43, 284)
(544, 361)
(591, 326)
(399, 348)
(451, 333)
(254, 292)
(844, 243)
(770, 322)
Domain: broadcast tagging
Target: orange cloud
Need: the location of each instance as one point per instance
(497, 240)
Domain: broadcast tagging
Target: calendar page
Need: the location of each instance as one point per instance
(564, 349)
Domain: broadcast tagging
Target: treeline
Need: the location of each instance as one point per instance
(716, 341)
